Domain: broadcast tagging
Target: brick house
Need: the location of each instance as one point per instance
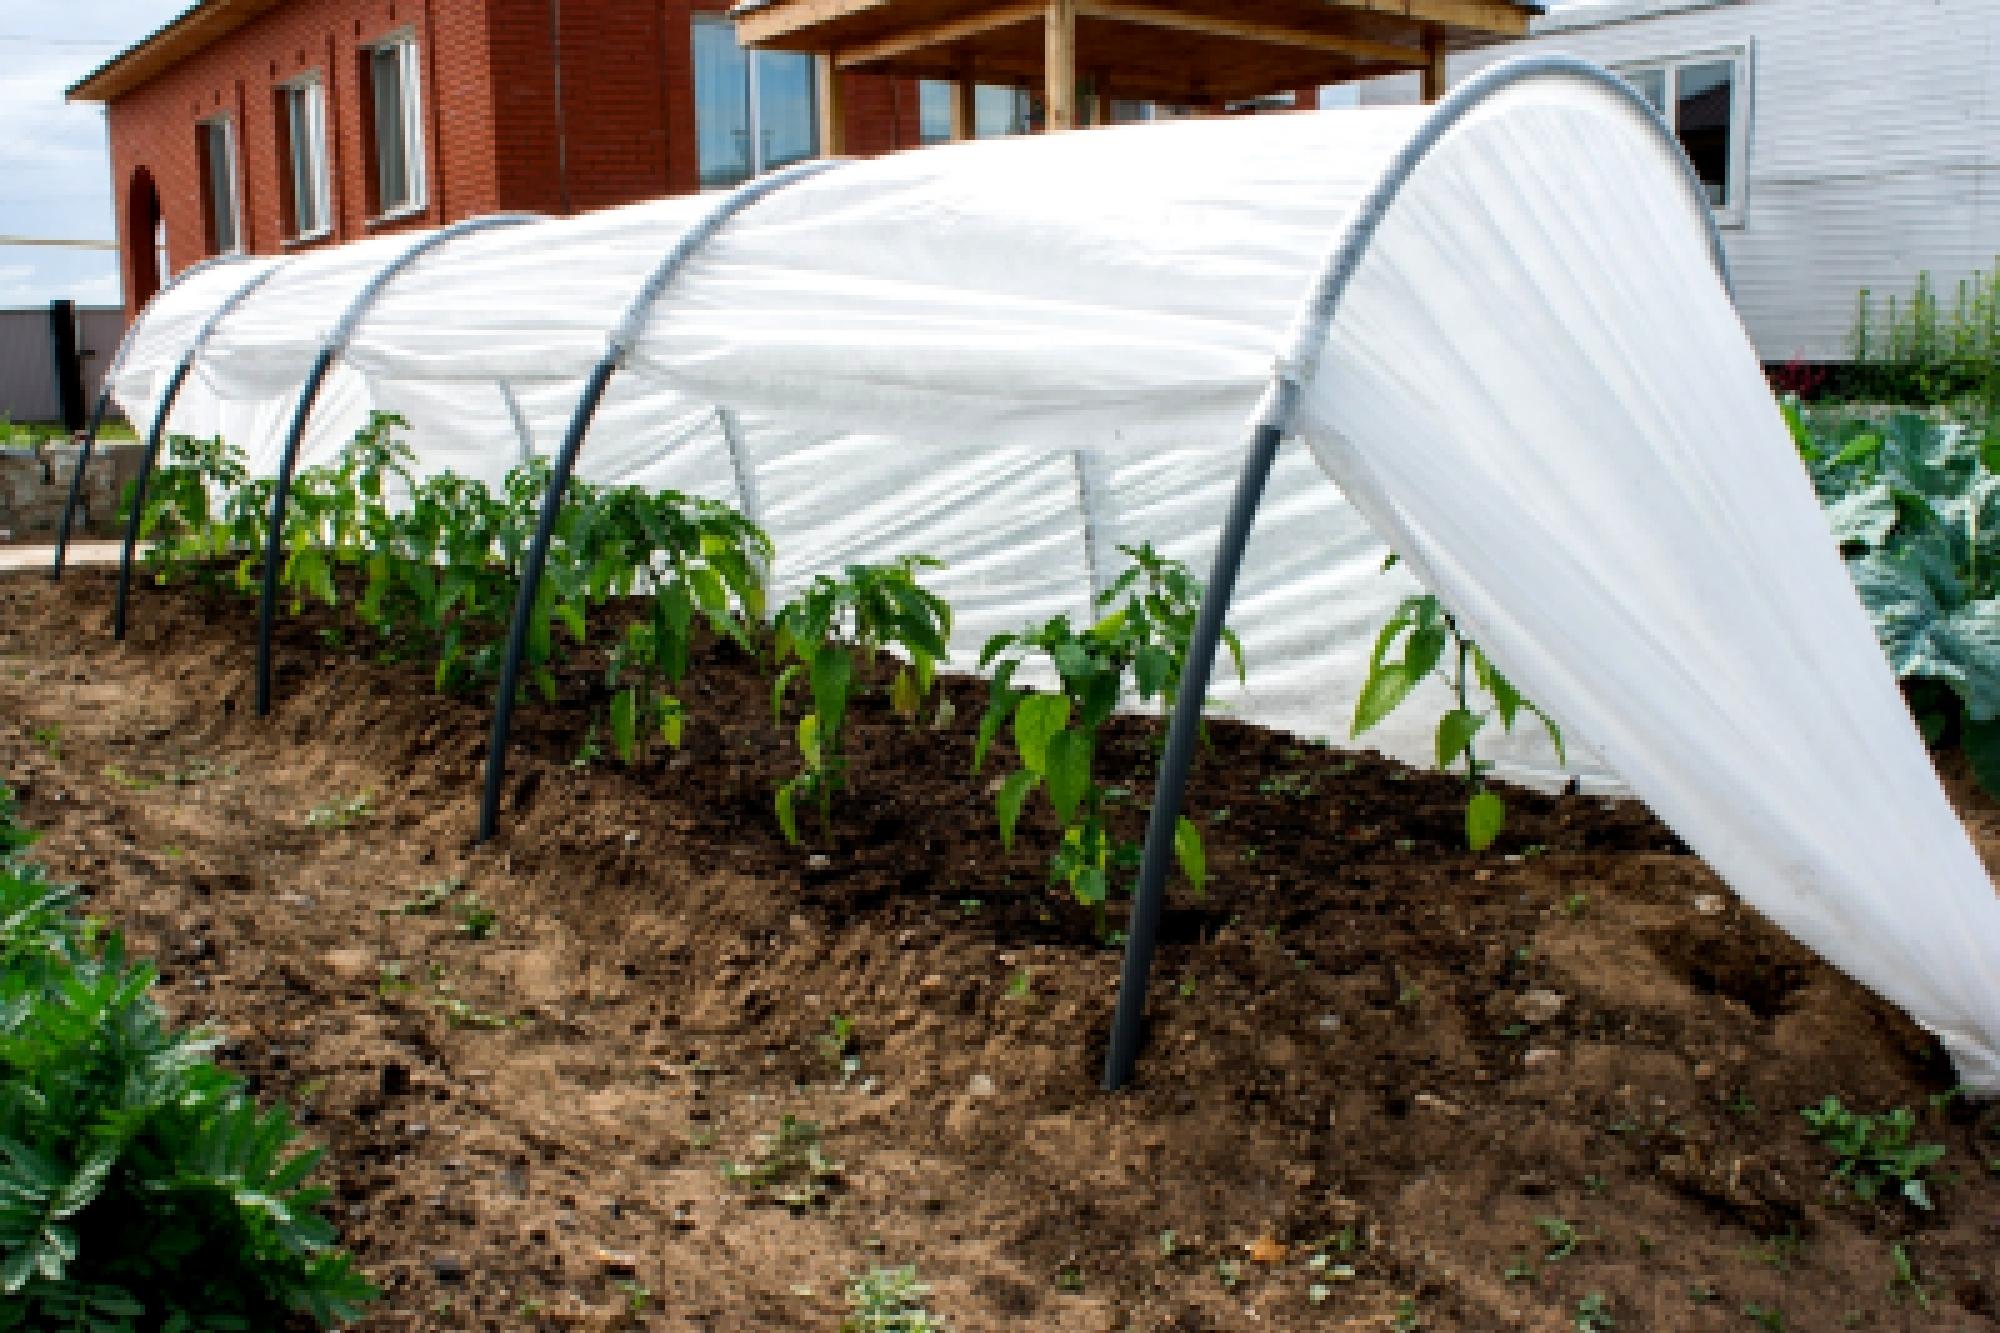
(274, 125)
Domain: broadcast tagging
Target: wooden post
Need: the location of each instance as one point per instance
(1060, 85)
(832, 105)
(964, 108)
(1434, 70)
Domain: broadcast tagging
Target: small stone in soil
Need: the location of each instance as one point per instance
(1539, 1006)
(448, 1268)
(982, 1086)
(617, 1263)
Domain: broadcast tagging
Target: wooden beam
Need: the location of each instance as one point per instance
(964, 108)
(1434, 67)
(1060, 65)
(941, 34)
(832, 96)
(1273, 34)
(756, 26)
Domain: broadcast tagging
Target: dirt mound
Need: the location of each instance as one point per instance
(1389, 1084)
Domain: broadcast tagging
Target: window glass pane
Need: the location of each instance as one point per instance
(787, 121)
(392, 177)
(1652, 85)
(413, 123)
(221, 187)
(1127, 112)
(1704, 97)
(300, 129)
(721, 105)
(998, 111)
(934, 111)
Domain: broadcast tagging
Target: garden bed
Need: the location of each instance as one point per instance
(1387, 1079)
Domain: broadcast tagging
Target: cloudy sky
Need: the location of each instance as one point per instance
(54, 172)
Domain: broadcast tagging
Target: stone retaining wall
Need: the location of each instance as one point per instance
(34, 483)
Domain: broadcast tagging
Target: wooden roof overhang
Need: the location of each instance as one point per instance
(1181, 51)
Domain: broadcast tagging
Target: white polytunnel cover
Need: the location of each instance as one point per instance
(1017, 354)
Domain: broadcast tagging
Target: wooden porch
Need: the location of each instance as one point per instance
(1201, 53)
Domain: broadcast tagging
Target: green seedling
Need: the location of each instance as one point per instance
(341, 814)
(476, 921)
(837, 1044)
(1877, 1154)
(428, 900)
(1139, 646)
(889, 1300)
(1903, 1283)
(1432, 645)
(1563, 1238)
(1768, 1317)
(835, 624)
(791, 1167)
(1021, 985)
(49, 738)
(1593, 1314)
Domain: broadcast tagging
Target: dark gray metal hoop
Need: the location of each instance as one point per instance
(335, 344)
(103, 405)
(1273, 422)
(617, 346)
(156, 433)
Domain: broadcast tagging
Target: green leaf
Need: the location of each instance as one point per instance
(1485, 814)
(809, 736)
(1000, 706)
(1455, 731)
(1151, 667)
(903, 696)
(1090, 886)
(1384, 690)
(1007, 804)
(788, 822)
(1068, 770)
(1190, 852)
(778, 688)
(1422, 652)
(1037, 718)
(625, 725)
(832, 670)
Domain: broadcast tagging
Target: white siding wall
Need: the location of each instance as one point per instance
(1874, 149)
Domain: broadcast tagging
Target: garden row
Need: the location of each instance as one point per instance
(427, 569)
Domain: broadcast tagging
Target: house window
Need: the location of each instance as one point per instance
(754, 111)
(221, 219)
(997, 111)
(396, 130)
(1705, 101)
(302, 129)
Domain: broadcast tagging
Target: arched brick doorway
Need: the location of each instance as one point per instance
(142, 240)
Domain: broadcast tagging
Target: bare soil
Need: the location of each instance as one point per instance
(1381, 1069)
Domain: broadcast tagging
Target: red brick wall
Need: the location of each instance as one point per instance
(492, 133)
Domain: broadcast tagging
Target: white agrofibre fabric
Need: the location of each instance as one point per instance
(1015, 355)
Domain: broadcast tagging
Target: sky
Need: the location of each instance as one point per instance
(55, 173)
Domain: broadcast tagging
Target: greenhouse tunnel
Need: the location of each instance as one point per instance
(1492, 335)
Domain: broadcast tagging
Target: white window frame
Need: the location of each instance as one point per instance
(409, 68)
(1669, 67)
(233, 164)
(313, 89)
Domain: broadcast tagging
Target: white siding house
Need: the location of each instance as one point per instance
(1859, 142)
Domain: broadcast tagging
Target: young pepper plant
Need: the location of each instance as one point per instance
(865, 610)
(1432, 644)
(1142, 647)
(700, 556)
